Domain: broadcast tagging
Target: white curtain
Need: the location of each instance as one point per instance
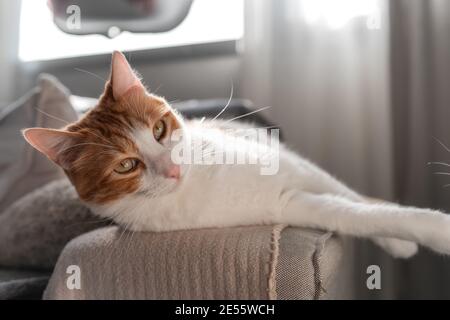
(328, 87)
(364, 100)
(420, 46)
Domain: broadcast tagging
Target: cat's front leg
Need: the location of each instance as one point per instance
(395, 247)
(334, 213)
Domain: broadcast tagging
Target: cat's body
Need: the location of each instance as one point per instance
(224, 195)
(119, 158)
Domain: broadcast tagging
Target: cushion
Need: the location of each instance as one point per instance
(22, 284)
(261, 262)
(35, 228)
(22, 169)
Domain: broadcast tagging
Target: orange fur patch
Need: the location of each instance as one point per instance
(105, 140)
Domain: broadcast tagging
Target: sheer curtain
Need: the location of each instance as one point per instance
(361, 90)
(420, 47)
(328, 87)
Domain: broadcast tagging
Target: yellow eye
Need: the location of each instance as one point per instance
(159, 130)
(126, 166)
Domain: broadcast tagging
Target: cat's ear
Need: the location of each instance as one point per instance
(123, 78)
(52, 143)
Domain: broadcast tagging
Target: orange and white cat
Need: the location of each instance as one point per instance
(119, 158)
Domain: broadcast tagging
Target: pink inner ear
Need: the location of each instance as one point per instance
(50, 142)
(123, 77)
(42, 140)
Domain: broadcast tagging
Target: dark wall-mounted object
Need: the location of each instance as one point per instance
(111, 17)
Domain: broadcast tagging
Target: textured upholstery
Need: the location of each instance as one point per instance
(307, 265)
(232, 263)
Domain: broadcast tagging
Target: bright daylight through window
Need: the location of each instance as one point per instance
(220, 21)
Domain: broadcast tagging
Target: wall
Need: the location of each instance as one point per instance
(9, 31)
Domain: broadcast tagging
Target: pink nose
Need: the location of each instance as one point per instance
(173, 172)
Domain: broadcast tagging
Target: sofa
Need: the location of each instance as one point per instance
(47, 236)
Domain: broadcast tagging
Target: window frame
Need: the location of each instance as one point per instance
(155, 55)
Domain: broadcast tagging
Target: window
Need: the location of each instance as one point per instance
(336, 14)
(208, 21)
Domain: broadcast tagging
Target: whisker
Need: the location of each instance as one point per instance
(124, 230)
(439, 163)
(99, 221)
(88, 143)
(90, 73)
(157, 89)
(66, 122)
(211, 154)
(51, 116)
(99, 136)
(243, 130)
(442, 144)
(442, 173)
(247, 114)
(136, 220)
(227, 104)
(123, 233)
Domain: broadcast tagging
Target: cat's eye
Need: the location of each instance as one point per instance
(159, 129)
(126, 166)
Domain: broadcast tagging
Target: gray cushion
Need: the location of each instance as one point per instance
(22, 284)
(35, 228)
(22, 169)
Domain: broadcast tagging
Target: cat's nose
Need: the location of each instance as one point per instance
(173, 172)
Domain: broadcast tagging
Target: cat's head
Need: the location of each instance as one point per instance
(121, 147)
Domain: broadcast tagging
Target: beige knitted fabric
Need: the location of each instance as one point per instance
(231, 263)
(307, 264)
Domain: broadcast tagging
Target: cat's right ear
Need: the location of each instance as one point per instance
(52, 143)
(123, 77)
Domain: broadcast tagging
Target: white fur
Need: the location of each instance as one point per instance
(301, 195)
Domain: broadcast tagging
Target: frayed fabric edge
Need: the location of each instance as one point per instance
(275, 250)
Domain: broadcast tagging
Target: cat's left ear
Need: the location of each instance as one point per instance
(123, 78)
(55, 144)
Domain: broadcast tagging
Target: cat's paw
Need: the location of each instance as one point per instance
(438, 236)
(397, 248)
(439, 243)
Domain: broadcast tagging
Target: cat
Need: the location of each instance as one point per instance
(119, 157)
